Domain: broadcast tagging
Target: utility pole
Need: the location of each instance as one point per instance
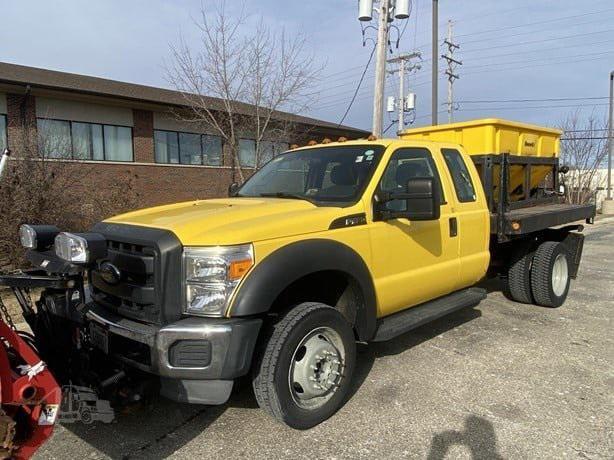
(380, 68)
(435, 59)
(388, 11)
(452, 63)
(405, 65)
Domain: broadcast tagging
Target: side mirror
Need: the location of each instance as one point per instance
(422, 200)
(233, 189)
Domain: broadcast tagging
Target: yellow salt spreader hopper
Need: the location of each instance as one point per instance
(519, 167)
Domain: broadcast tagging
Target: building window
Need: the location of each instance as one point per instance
(212, 150)
(247, 153)
(166, 147)
(3, 140)
(54, 138)
(173, 147)
(190, 150)
(84, 141)
(87, 140)
(117, 143)
(268, 149)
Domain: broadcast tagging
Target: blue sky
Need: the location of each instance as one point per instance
(526, 49)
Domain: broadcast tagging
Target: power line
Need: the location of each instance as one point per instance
(511, 27)
(426, 61)
(336, 102)
(362, 77)
(477, 109)
(514, 35)
(540, 41)
(538, 50)
(585, 130)
(552, 99)
(389, 126)
(519, 34)
(583, 138)
(515, 68)
(499, 29)
(342, 101)
(331, 102)
(491, 64)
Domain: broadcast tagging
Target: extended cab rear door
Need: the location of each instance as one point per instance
(468, 205)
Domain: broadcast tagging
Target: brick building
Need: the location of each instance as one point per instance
(114, 129)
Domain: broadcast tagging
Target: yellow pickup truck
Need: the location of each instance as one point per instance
(325, 246)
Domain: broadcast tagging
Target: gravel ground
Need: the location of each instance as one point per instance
(503, 380)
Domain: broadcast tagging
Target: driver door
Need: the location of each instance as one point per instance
(413, 261)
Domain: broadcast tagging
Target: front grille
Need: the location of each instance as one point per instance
(134, 296)
(149, 260)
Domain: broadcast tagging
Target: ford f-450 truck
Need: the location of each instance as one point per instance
(325, 246)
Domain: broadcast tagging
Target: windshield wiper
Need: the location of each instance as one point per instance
(286, 195)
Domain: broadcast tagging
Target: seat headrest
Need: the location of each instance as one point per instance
(342, 174)
(410, 169)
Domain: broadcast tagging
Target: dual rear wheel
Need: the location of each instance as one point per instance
(539, 276)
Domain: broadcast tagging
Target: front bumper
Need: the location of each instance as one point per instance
(196, 358)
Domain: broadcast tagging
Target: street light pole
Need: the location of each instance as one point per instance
(610, 135)
(435, 61)
(607, 206)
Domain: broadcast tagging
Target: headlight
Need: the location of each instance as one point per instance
(80, 248)
(37, 236)
(211, 276)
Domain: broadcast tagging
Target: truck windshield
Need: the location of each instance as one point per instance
(326, 175)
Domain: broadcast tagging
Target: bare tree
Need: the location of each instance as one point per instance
(584, 151)
(236, 83)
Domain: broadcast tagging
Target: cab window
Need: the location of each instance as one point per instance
(334, 175)
(460, 175)
(405, 164)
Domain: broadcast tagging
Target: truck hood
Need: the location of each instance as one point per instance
(234, 220)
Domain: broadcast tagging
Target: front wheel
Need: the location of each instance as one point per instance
(305, 368)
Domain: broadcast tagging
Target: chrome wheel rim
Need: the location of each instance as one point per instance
(560, 274)
(317, 368)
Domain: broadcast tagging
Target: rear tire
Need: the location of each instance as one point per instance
(306, 366)
(517, 280)
(550, 274)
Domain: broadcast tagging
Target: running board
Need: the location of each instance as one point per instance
(406, 320)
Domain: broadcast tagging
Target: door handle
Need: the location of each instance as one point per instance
(453, 227)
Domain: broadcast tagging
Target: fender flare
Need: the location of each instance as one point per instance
(288, 264)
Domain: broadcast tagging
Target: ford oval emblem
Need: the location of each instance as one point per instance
(110, 273)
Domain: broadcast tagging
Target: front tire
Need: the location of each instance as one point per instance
(550, 274)
(306, 366)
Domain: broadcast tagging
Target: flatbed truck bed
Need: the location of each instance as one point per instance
(522, 221)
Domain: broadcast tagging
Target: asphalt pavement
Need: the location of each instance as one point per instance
(503, 380)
